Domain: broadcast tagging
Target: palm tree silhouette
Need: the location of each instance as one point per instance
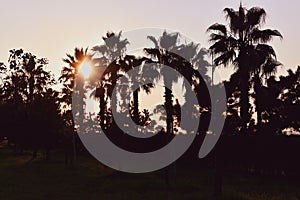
(108, 56)
(163, 46)
(68, 75)
(131, 62)
(244, 44)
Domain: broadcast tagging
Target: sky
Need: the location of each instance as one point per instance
(53, 28)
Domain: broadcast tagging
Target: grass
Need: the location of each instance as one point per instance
(89, 180)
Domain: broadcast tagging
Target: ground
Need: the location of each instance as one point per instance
(89, 180)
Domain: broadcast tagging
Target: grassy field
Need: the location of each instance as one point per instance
(89, 180)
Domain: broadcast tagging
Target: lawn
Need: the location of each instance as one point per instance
(89, 180)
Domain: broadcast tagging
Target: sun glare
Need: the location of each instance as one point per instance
(86, 69)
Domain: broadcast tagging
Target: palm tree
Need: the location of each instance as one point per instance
(108, 56)
(130, 62)
(68, 76)
(164, 46)
(187, 59)
(244, 44)
(184, 58)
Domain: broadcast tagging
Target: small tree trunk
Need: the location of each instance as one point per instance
(245, 105)
(257, 90)
(169, 110)
(100, 93)
(136, 106)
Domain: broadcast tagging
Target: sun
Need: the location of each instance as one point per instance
(85, 69)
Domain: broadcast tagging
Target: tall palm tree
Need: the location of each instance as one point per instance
(130, 62)
(108, 56)
(166, 44)
(187, 59)
(68, 76)
(245, 45)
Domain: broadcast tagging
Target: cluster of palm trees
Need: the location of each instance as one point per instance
(241, 44)
(251, 91)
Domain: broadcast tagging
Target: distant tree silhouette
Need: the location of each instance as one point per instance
(281, 103)
(26, 97)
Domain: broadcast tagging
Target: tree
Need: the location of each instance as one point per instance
(281, 103)
(132, 62)
(26, 86)
(68, 75)
(186, 59)
(166, 44)
(244, 44)
(108, 56)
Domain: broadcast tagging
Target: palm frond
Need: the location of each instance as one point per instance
(153, 39)
(255, 16)
(265, 50)
(225, 58)
(233, 17)
(219, 47)
(168, 40)
(263, 35)
(218, 27)
(270, 67)
(215, 37)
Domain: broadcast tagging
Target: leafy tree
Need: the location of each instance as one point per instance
(281, 103)
(25, 92)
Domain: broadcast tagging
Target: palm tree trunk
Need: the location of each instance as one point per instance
(100, 94)
(169, 110)
(245, 105)
(114, 95)
(257, 90)
(73, 156)
(168, 106)
(136, 106)
(259, 112)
